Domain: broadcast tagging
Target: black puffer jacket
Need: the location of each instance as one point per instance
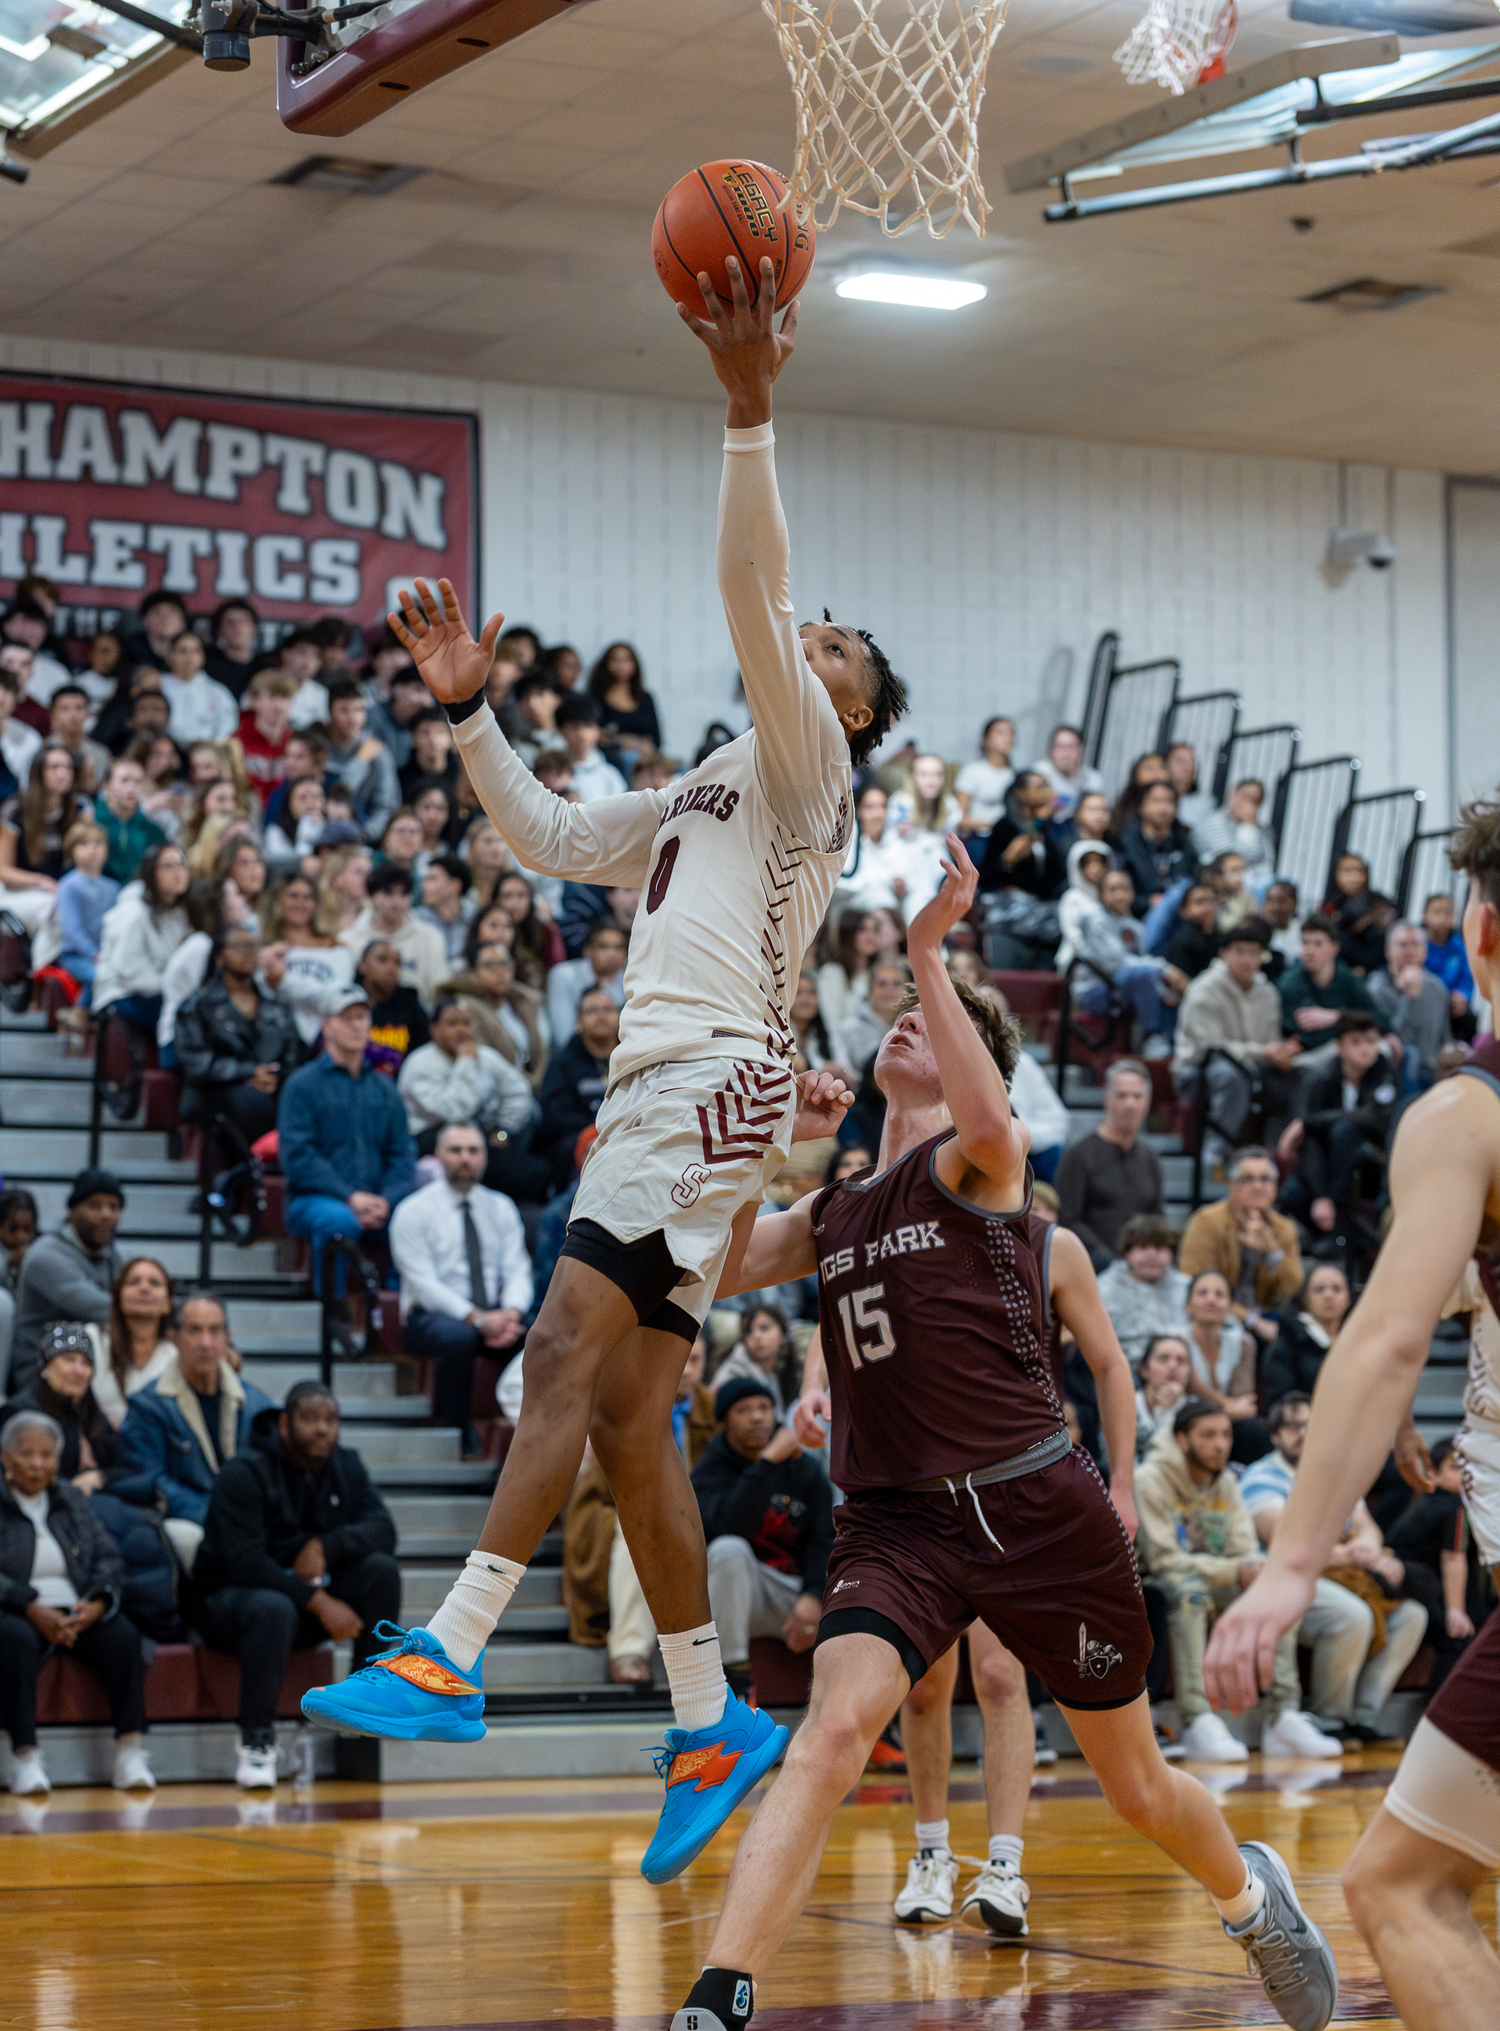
(264, 1509)
(88, 1550)
(219, 1046)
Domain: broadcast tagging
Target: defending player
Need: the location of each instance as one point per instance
(1422, 1857)
(996, 1901)
(737, 863)
(965, 1497)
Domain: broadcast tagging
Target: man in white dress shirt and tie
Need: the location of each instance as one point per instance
(465, 1274)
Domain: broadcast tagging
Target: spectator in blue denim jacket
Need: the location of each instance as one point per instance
(345, 1148)
(180, 1429)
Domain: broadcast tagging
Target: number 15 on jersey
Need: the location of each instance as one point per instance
(861, 1312)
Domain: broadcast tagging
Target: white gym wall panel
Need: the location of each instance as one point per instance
(986, 563)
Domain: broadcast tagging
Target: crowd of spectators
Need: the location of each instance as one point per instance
(268, 866)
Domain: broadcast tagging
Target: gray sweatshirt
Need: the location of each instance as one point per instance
(60, 1279)
(1422, 1021)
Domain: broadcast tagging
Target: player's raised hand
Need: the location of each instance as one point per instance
(452, 664)
(822, 1102)
(953, 901)
(1241, 1658)
(747, 350)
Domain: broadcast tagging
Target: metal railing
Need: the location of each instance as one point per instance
(1138, 701)
(1208, 722)
(1380, 829)
(1115, 1019)
(1311, 799)
(1203, 1119)
(339, 1340)
(1266, 754)
(1426, 871)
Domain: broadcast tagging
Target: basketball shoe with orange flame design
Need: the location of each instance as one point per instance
(708, 1772)
(414, 1692)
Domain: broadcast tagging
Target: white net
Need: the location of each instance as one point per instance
(888, 99)
(1177, 42)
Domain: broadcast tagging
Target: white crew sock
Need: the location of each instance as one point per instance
(932, 1833)
(695, 1675)
(1238, 1911)
(1005, 1851)
(476, 1601)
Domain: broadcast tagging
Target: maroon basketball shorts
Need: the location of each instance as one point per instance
(1042, 1560)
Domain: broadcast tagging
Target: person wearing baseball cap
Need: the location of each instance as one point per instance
(1233, 1010)
(68, 1275)
(345, 1149)
(768, 1517)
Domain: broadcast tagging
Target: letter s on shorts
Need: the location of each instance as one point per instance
(689, 1187)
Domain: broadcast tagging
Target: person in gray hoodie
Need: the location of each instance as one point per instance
(364, 765)
(69, 1274)
(1117, 968)
(1231, 1008)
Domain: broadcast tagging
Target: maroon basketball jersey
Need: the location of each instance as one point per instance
(1485, 1065)
(1039, 1233)
(933, 1328)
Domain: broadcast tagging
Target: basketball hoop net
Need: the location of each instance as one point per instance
(1179, 43)
(888, 124)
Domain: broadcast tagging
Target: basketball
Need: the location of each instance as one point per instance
(729, 208)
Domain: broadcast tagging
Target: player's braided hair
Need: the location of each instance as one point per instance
(888, 698)
(1476, 846)
(1000, 1033)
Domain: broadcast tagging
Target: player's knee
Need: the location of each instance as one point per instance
(832, 1747)
(550, 1363)
(926, 1698)
(1137, 1792)
(1000, 1678)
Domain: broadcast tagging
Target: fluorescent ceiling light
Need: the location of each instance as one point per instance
(917, 292)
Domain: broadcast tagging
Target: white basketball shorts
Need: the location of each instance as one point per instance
(682, 1147)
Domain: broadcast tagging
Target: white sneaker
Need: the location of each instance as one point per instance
(29, 1777)
(255, 1769)
(1295, 1734)
(931, 1880)
(1209, 1741)
(132, 1770)
(996, 1902)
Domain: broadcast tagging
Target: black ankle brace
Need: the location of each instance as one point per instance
(726, 1992)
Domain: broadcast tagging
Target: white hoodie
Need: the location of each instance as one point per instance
(1078, 900)
(135, 944)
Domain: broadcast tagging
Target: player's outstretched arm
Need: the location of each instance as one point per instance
(989, 1136)
(774, 1248)
(799, 738)
(814, 1407)
(1075, 1292)
(608, 841)
(1442, 1173)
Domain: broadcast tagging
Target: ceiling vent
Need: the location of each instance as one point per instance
(1369, 294)
(347, 176)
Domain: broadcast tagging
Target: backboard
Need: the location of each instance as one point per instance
(383, 57)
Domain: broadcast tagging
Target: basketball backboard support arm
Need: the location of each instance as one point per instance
(417, 46)
(1312, 60)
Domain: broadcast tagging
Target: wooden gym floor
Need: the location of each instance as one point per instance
(519, 1904)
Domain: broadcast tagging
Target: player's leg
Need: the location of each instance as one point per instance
(927, 1738)
(631, 1434)
(1249, 1885)
(858, 1682)
(1411, 1898)
(997, 1899)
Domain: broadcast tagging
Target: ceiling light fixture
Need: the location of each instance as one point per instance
(915, 292)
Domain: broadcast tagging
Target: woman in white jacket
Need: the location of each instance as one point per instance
(138, 937)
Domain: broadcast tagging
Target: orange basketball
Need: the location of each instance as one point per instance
(729, 208)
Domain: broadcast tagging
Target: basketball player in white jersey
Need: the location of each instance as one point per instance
(1412, 1877)
(737, 863)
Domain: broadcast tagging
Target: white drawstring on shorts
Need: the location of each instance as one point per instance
(974, 1498)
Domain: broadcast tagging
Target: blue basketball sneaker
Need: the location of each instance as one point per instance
(708, 1772)
(414, 1692)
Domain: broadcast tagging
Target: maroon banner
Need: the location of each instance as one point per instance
(302, 508)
